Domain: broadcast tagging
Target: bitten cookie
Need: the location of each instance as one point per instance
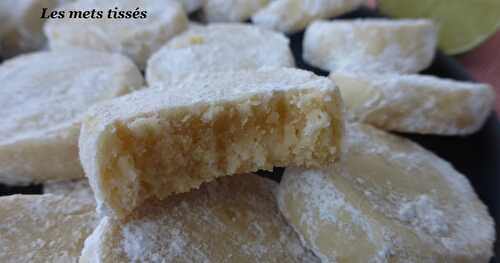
(290, 16)
(43, 98)
(388, 200)
(44, 228)
(136, 37)
(371, 45)
(415, 103)
(218, 47)
(170, 139)
(232, 219)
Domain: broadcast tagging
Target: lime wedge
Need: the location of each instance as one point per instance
(463, 24)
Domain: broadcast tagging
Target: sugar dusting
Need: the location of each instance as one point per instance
(416, 103)
(439, 218)
(371, 45)
(231, 219)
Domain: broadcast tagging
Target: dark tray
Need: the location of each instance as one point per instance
(477, 156)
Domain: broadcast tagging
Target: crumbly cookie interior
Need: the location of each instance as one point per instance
(176, 150)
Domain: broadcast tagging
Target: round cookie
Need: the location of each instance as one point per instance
(171, 138)
(218, 47)
(43, 98)
(231, 10)
(44, 228)
(21, 26)
(415, 103)
(371, 45)
(389, 200)
(294, 15)
(136, 38)
(233, 219)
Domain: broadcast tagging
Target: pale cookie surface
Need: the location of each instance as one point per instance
(231, 10)
(371, 45)
(21, 26)
(218, 47)
(414, 103)
(190, 5)
(166, 140)
(44, 228)
(136, 38)
(232, 219)
(43, 98)
(294, 15)
(78, 188)
(388, 200)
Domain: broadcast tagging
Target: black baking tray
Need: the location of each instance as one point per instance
(477, 156)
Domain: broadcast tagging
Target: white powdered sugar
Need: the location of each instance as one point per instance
(423, 213)
(416, 103)
(390, 199)
(371, 45)
(142, 243)
(232, 219)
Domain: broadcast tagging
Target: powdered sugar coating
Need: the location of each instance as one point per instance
(44, 97)
(233, 219)
(44, 228)
(218, 47)
(294, 15)
(371, 45)
(230, 10)
(21, 26)
(135, 38)
(388, 200)
(78, 188)
(415, 103)
(206, 94)
(190, 5)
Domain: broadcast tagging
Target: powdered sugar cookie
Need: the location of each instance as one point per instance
(371, 45)
(388, 200)
(21, 26)
(169, 139)
(233, 219)
(137, 37)
(44, 228)
(231, 10)
(218, 47)
(294, 15)
(43, 98)
(414, 103)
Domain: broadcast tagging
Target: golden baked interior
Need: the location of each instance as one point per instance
(165, 149)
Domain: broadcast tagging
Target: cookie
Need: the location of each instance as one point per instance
(290, 16)
(44, 228)
(230, 10)
(233, 219)
(218, 47)
(371, 45)
(136, 35)
(170, 139)
(388, 200)
(43, 98)
(21, 28)
(415, 103)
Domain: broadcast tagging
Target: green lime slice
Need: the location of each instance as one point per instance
(463, 24)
